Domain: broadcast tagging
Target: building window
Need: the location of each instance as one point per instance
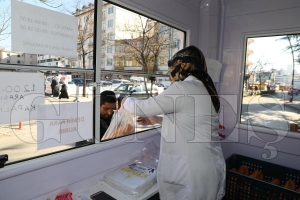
(111, 36)
(103, 26)
(109, 62)
(129, 63)
(110, 23)
(110, 10)
(8, 61)
(19, 62)
(109, 49)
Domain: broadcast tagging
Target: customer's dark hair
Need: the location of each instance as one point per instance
(107, 96)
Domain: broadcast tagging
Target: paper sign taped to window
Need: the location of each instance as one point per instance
(42, 31)
(20, 93)
(64, 123)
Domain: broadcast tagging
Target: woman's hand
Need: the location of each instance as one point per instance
(149, 120)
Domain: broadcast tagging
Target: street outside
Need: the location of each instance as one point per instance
(271, 111)
(21, 144)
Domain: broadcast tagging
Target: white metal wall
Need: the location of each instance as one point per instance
(251, 18)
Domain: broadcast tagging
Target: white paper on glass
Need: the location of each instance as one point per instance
(42, 31)
(64, 123)
(20, 93)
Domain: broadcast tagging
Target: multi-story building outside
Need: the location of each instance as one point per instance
(53, 61)
(283, 79)
(17, 57)
(114, 22)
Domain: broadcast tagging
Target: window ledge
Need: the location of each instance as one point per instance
(289, 134)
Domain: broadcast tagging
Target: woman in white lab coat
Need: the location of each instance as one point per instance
(191, 164)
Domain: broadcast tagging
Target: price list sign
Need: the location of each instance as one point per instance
(20, 93)
(42, 31)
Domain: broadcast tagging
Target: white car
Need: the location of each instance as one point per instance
(117, 82)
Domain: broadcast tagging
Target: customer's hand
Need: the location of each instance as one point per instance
(149, 120)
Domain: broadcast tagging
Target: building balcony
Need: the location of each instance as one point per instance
(163, 68)
(119, 68)
(249, 52)
(249, 63)
(133, 68)
(250, 40)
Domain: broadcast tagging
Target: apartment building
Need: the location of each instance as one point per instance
(17, 57)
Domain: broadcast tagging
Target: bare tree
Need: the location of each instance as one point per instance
(4, 24)
(85, 36)
(148, 39)
(293, 46)
(258, 69)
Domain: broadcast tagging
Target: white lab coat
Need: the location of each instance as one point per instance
(191, 164)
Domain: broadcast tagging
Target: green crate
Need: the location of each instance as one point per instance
(246, 188)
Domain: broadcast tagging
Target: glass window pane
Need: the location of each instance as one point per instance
(271, 82)
(136, 44)
(44, 48)
(133, 85)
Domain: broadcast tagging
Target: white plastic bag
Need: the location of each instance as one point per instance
(121, 124)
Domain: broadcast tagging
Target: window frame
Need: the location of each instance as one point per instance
(97, 71)
(245, 126)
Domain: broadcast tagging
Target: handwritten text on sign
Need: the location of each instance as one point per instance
(19, 95)
(60, 124)
(42, 31)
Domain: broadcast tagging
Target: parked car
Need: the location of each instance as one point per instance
(295, 91)
(118, 82)
(68, 83)
(159, 85)
(166, 84)
(106, 85)
(136, 90)
(79, 81)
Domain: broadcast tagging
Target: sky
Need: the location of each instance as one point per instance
(270, 50)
